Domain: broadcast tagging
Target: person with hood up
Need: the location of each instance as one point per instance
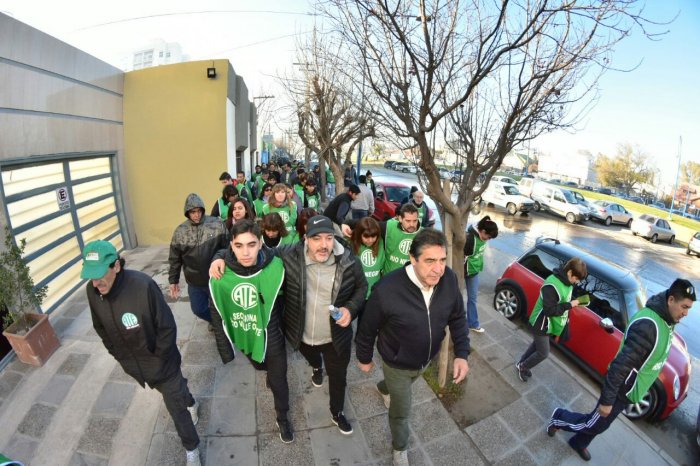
(194, 243)
(250, 319)
(642, 355)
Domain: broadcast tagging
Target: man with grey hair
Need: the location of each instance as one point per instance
(418, 300)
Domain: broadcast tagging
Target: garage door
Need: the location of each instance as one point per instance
(57, 207)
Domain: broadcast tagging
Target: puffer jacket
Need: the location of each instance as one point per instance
(137, 327)
(274, 333)
(349, 290)
(194, 244)
(639, 343)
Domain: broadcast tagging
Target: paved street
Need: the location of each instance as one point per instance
(80, 408)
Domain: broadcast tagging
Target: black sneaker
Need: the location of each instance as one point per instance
(551, 428)
(343, 425)
(523, 374)
(286, 434)
(582, 452)
(317, 377)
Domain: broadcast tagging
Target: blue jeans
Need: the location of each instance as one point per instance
(472, 284)
(359, 213)
(199, 301)
(330, 190)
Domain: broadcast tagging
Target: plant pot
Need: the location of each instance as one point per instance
(37, 344)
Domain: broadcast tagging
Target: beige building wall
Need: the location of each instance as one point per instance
(176, 138)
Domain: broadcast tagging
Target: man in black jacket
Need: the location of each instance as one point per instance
(259, 275)
(138, 328)
(407, 312)
(194, 243)
(634, 370)
(339, 207)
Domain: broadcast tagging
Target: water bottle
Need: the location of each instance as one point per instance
(335, 312)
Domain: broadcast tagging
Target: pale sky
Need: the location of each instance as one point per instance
(651, 106)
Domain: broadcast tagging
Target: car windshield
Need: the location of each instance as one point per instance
(647, 218)
(511, 190)
(634, 301)
(602, 203)
(569, 197)
(397, 193)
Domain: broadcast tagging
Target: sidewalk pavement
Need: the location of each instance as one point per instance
(80, 408)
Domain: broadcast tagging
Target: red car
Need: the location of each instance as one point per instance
(595, 330)
(389, 197)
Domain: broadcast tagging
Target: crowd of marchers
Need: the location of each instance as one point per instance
(269, 268)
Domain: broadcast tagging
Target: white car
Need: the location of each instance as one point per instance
(653, 228)
(611, 212)
(506, 195)
(503, 179)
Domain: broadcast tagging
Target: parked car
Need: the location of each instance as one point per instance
(456, 176)
(558, 201)
(694, 245)
(570, 183)
(659, 205)
(595, 330)
(611, 212)
(506, 195)
(653, 228)
(582, 201)
(636, 199)
(444, 173)
(607, 191)
(502, 179)
(405, 167)
(389, 197)
(389, 163)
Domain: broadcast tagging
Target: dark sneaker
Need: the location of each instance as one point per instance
(523, 374)
(317, 377)
(551, 428)
(286, 434)
(342, 423)
(582, 452)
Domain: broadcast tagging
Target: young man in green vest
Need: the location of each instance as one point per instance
(551, 313)
(245, 188)
(312, 198)
(246, 313)
(631, 374)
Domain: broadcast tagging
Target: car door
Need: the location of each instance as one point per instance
(558, 203)
(616, 211)
(590, 342)
(663, 229)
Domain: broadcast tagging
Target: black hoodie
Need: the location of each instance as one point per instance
(223, 344)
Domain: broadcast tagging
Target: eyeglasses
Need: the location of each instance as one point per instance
(364, 235)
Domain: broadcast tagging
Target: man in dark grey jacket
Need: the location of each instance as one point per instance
(194, 243)
(138, 328)
(320, 272)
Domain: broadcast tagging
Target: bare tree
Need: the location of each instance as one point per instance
(488, 75)
(332, 116)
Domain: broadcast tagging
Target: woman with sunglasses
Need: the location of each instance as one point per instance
(368, 247)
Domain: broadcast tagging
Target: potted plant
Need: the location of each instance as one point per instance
(29, 332)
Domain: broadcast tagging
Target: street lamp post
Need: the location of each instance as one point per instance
(678, 171)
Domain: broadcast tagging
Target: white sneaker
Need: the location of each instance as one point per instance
(386, 398)
(477, 329)
(400, 458)
(193, 458)
(193, 412)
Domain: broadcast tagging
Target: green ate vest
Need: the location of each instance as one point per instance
(475, 263)
(288, 214)
(223, 209)
(330, 178)
(313, 201)
(291, 238)
(371, 265)
(397, 245)
(555, 324)
(650, 370)
(248, 193)
(258, 205)
(245, 304)
(299, 189)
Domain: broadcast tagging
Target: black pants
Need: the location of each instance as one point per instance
(586, 426)
(276, 366)
(336, 368)
(536, 352)
(177, 398)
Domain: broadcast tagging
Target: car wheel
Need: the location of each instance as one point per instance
(654, 238)
(405, 170)
(649, 406)
(670, 241)
(608, 221)
(512, 208)
(570, 217)
(634, 233)
(508, 301)
(537, 207)
(629, 224)
(687, 251)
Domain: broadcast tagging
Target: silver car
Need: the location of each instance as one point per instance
(653, 228)
(694, 245)
(611, 212)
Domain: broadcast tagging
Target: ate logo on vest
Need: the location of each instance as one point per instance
(367, 258)
(284, 215)
(130, 321)
(405, 246)
(245, 295)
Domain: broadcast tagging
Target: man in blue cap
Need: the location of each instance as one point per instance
(137, 327)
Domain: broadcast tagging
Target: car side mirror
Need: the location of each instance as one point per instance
(380, 195)
(607, 324)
